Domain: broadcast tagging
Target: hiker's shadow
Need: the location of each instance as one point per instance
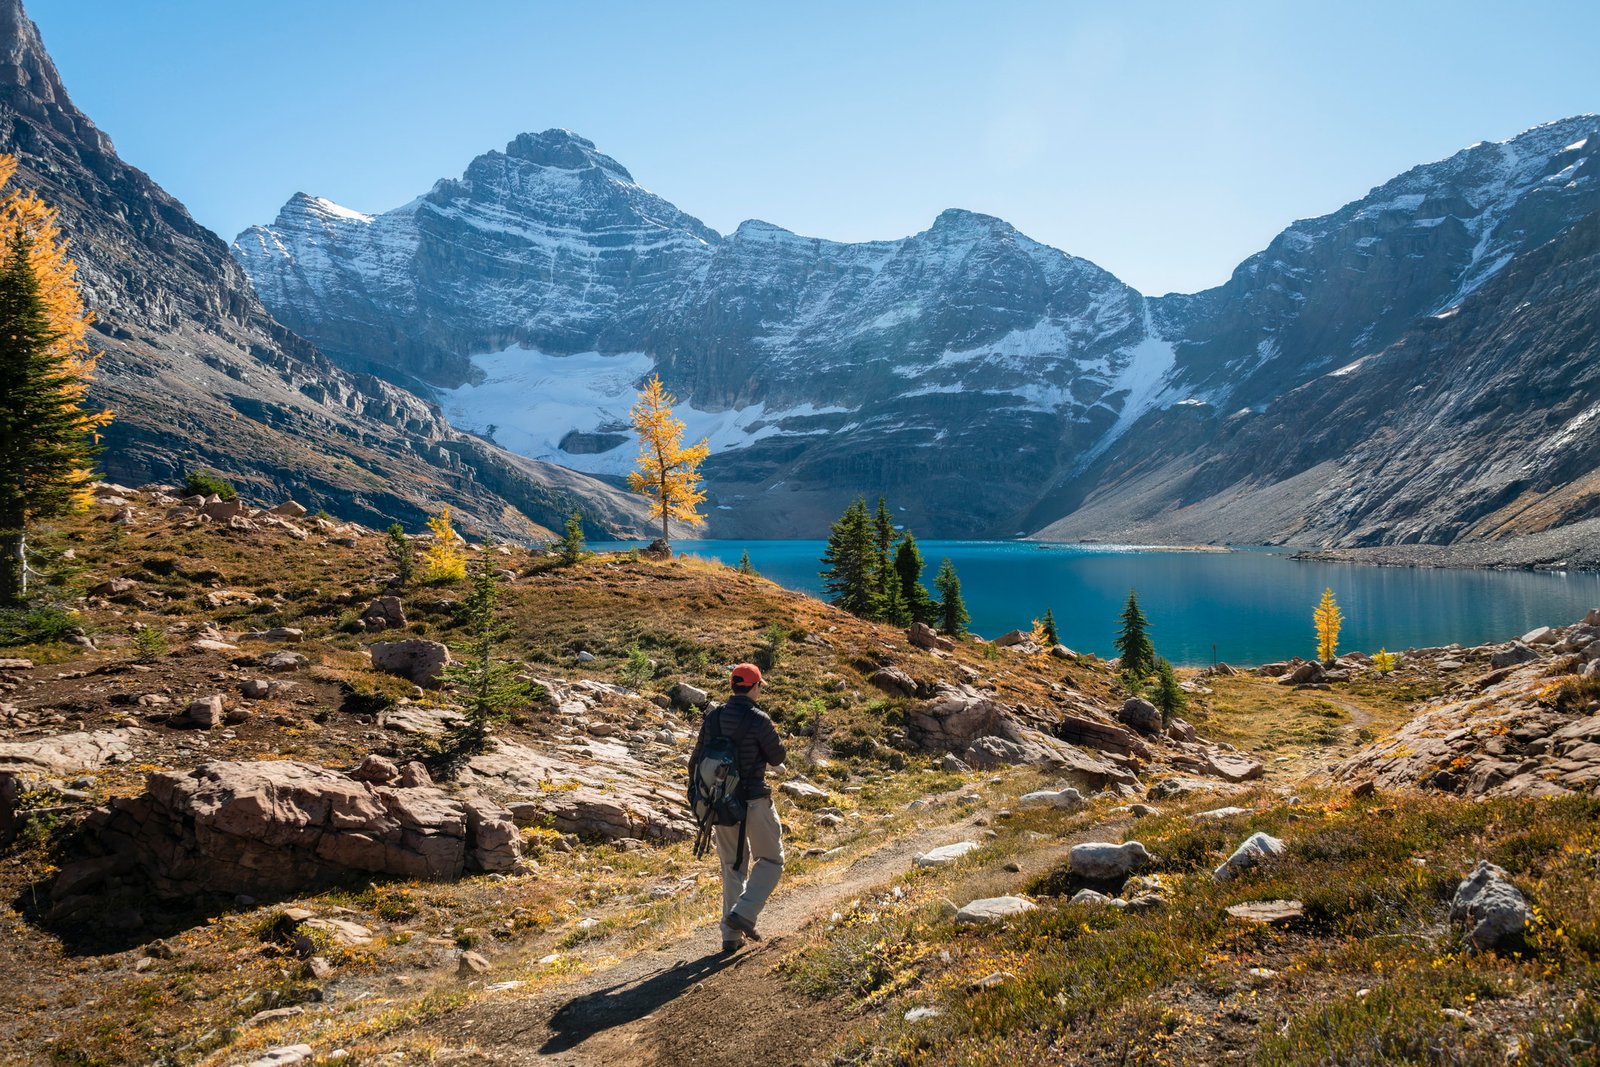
(582, 1017)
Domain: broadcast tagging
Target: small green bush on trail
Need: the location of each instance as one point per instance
(209, 483)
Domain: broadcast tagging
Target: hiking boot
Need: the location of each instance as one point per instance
(743, 925)
(729, 947)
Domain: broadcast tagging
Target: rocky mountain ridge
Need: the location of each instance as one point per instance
(199, 373)
(986, 383)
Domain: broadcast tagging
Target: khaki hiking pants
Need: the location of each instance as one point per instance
(745, 888)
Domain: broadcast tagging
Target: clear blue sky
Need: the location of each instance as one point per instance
(1164, 141)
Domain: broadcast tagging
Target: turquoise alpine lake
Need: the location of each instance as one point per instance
(1247, 606)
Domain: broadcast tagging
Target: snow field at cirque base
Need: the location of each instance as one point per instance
(532, 400)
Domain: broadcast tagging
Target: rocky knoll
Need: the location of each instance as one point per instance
(281, 826)
(1528, 726)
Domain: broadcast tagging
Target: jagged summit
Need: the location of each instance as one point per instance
(30, 84)
(565, 150)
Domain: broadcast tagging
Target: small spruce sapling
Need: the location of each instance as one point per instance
(490, 687)
(745, 566)
(1169, 695)
(1051, 636)
(570, 548)
(401, 554)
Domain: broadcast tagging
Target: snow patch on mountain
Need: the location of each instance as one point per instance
(528, 401)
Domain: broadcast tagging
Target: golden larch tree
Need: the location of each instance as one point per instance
(48, 441)
(443, 560)
(666, 472)
(1328, 619)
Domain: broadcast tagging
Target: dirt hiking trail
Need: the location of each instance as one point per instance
(674, 1004)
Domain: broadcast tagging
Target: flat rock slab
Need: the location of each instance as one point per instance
(803, 791)
(994, 909)
(945, 854)
(1269, 912)
(1221, 813)
(1051, 798)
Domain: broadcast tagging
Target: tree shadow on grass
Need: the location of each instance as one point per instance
(617, 1005)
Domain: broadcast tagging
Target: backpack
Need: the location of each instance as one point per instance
(714, 788)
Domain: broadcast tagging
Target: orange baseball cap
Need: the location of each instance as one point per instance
(746, 674)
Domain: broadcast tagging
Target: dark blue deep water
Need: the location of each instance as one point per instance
(1253, 605)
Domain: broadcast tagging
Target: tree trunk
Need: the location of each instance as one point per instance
(13, 568)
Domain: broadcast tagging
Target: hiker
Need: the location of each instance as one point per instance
(733, 803)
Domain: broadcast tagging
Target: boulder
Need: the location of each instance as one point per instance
(114, 587)
(894, 681)
(1234, 768)
(1091, 897)
(414, 774)
(472, 964)
(282, 827)
(386, 612)
(283, 1056)
(1540, 635)
(1257, 848)
(24, 765)
(1062, 652)
(15, 663)
(375, 769)
(953, 764)
(1182, 731)
(945, 854)
(685, 695)
(204, 712)
(255, 688)
(1513, 655)
(421, 661)
(954, 718)
(1305, 674)
(289, 509)
(1494, 911)
(1014, 637)
(1092, 733)
(493, 841)
(993, 910)
(1099, 861)
(1141, 715)
(923, 636)
(283, 662)
(223, 510)
(1032, 748)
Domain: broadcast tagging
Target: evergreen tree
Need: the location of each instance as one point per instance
(1133, 642)
(891, 601)
(908, 569)
(953, 617)
(571, 545)
(850, 573)
(667, 473)
(1051, 636)
(491, 688)
(47, 441)
(399, 548)
(745, 566)
(1169, 695)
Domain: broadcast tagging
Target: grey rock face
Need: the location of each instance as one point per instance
(1493, 909)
